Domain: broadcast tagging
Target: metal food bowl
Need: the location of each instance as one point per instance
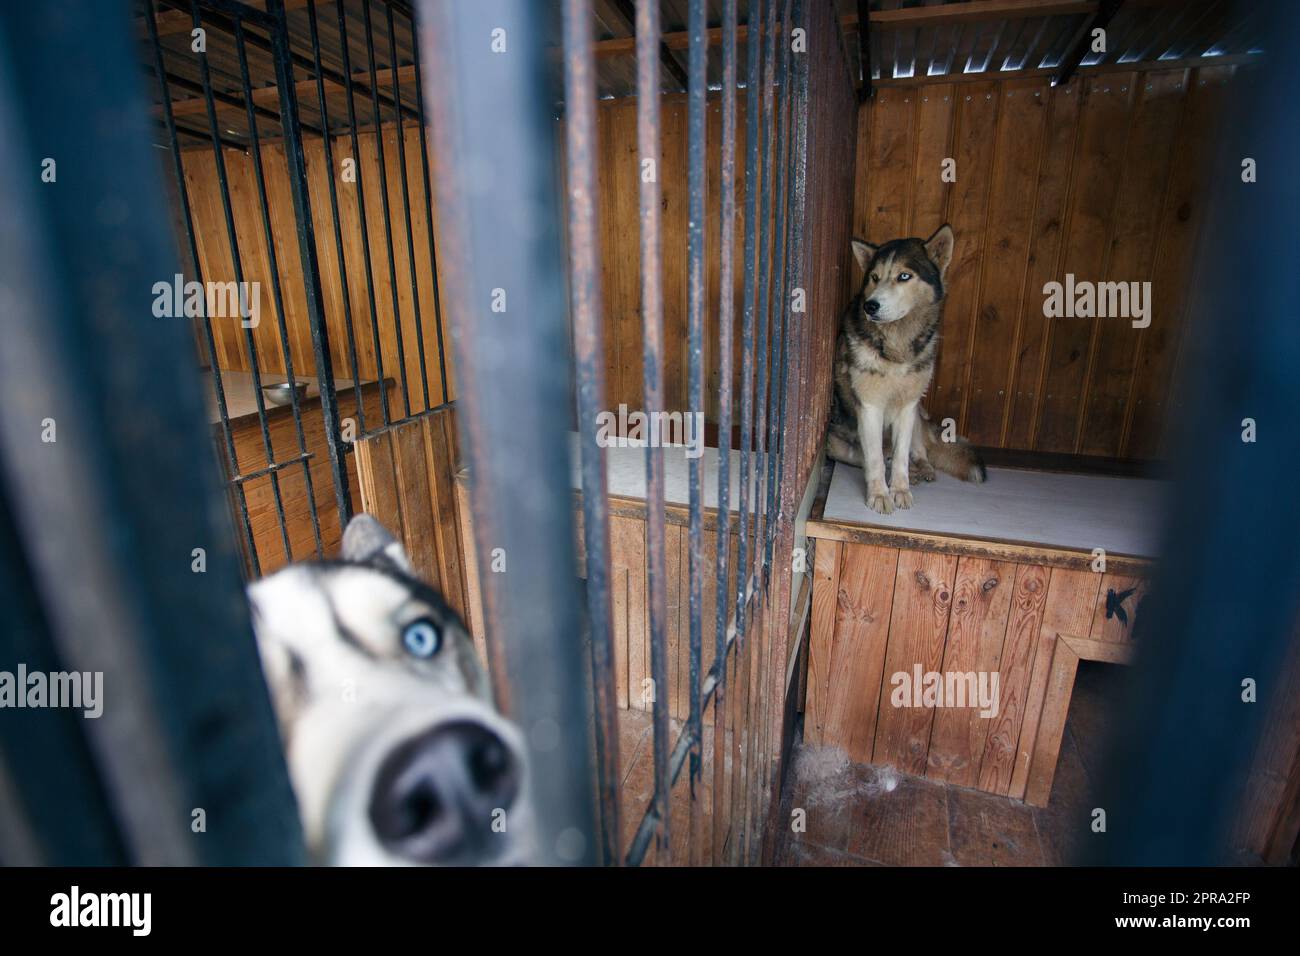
(281, 393)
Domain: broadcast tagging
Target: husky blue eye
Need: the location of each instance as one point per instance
(422, 638)
(904, 276)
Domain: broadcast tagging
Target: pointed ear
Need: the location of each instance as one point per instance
(366, 541)
(863, 251)
(939, 247)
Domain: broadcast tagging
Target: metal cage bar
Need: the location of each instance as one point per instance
(361, 207)
(117, 502)
(726, 306)
(254, 142)
(385, 205)
(652, 308)
(696, 184)
(327, 145)
(496, 178)
(589, 355)
(187, 220)
(232, 237)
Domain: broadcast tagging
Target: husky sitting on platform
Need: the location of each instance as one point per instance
(395, 751)
(884, 361)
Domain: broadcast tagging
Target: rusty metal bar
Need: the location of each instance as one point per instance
(868, 89)
(753, 110)
(254, 365)
(795, 277)
(406, 207)
(187, 217)
(259, 176)
(589, 375)
(361, 214)
(97, 527)
(328, 146)
(496, 178)
(652, 311)
(696, 185)
(428, 211)
(726, 307)
(765, 245)
(296, 160)
(385, 206)
(780, 305)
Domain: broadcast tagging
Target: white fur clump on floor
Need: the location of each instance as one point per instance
(826, 776)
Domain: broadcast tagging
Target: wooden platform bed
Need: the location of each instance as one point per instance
(1018, 579)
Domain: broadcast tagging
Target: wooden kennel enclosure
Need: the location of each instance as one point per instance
(690, 292)
(485, 237)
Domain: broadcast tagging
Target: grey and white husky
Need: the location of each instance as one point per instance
(396, 754)
(884, 361)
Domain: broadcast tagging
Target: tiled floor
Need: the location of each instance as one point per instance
(857, 815)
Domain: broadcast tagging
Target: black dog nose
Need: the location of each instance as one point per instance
(872, 306)
(438, 795)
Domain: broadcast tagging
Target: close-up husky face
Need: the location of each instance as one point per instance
(902, 275)
(396, 754)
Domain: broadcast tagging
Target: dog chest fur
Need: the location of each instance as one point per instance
(891, 385)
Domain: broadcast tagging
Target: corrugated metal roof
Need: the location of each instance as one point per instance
(912, 39)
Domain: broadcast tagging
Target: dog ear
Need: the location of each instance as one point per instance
(863, 251)
(366, 541)
(939, 247)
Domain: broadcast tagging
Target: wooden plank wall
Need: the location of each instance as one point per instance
(217, 264)
(1106, 177)
(826, 271)
(618, 174)
(250, 453)
(634, 688)
(879, 611)
(407, 475)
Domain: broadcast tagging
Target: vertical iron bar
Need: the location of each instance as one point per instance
(696, 183)
(406, 206)
(297, 161)
(753, 50)
(780, 312)
(208, 339)
(361, 213)
(726, 307)
(759, 657)
(273, 262)
(780, 298)
(383, 196)
(496, 177)
(796, 186)
(652, 310)
(765, 250)
(330, 177)
(753, 107)
(864, 50)
(251, 344)
(102, 523)
(589, 373)
(428, 214)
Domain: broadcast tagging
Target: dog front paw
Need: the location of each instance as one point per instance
(921, 471)
(902, 498)
(878, 501)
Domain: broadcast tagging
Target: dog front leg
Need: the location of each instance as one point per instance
(921, 469)
(871, 436)
(902, 433)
